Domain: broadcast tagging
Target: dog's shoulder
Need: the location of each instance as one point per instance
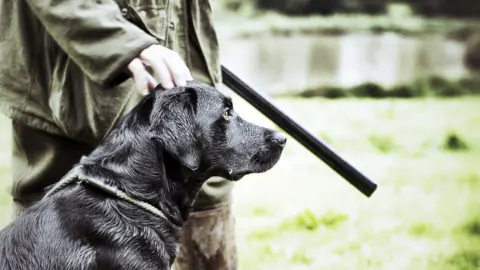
(77, 230)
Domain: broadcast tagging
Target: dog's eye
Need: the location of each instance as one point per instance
(227, 115)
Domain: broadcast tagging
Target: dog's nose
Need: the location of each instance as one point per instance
(279, 139)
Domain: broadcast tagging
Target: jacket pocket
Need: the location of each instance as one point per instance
(152, 19)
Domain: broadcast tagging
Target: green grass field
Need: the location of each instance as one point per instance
(423, 153)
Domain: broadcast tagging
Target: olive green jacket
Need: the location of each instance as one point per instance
(63, 62)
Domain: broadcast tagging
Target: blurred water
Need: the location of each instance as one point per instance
(280, 64)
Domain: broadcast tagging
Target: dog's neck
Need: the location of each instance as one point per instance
(145, 172)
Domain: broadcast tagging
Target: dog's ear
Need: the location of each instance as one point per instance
(173, 125)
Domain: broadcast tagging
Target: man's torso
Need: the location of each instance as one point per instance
(44, 88)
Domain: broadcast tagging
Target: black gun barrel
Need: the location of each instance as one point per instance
(263, 104)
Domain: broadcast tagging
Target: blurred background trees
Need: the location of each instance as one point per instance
(472, 55)
(438, 9)
(431, 8)
(393, 84)
(449, 8)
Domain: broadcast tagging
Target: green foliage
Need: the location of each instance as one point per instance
(402, 91)
(309, 7)
(444, 88)
(433, 86)
(421, 229)
(430, 8)
(471, 84)
(472, 227)
(325, 137)
(459, 8)
(260, 211)
(308, 221)
(368, 90)
(384, 144)
(373, 6)
(301, 258)
(472, 55)
(263, 235)
(453, 142)
(328, 92)
(465, 260)
(334, 92)
(306, 7)
(245, 20)
(267, 253)
(471, 179)
(451, 8)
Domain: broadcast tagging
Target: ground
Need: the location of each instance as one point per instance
(424, 155)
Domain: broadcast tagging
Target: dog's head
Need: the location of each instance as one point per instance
(197, 126)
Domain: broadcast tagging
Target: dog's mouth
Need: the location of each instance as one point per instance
(262, 161)
(266, 157)
(240, 165)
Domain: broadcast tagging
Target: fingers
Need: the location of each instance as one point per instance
(152, 83)
(143, 80)
(160, 69)
(167, 66)
(179, 71)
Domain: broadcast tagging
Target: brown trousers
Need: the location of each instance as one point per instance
(207, 239)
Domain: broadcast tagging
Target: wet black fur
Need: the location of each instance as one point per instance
(161, 153)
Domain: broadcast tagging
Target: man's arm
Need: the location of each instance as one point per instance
(95, 35)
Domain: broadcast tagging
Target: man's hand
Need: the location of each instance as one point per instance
(166, 64)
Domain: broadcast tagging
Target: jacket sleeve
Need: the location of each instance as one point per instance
(95, 36)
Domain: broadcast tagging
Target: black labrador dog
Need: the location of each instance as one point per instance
(121, 207)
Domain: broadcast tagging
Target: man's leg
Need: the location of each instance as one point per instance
(208, 237)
